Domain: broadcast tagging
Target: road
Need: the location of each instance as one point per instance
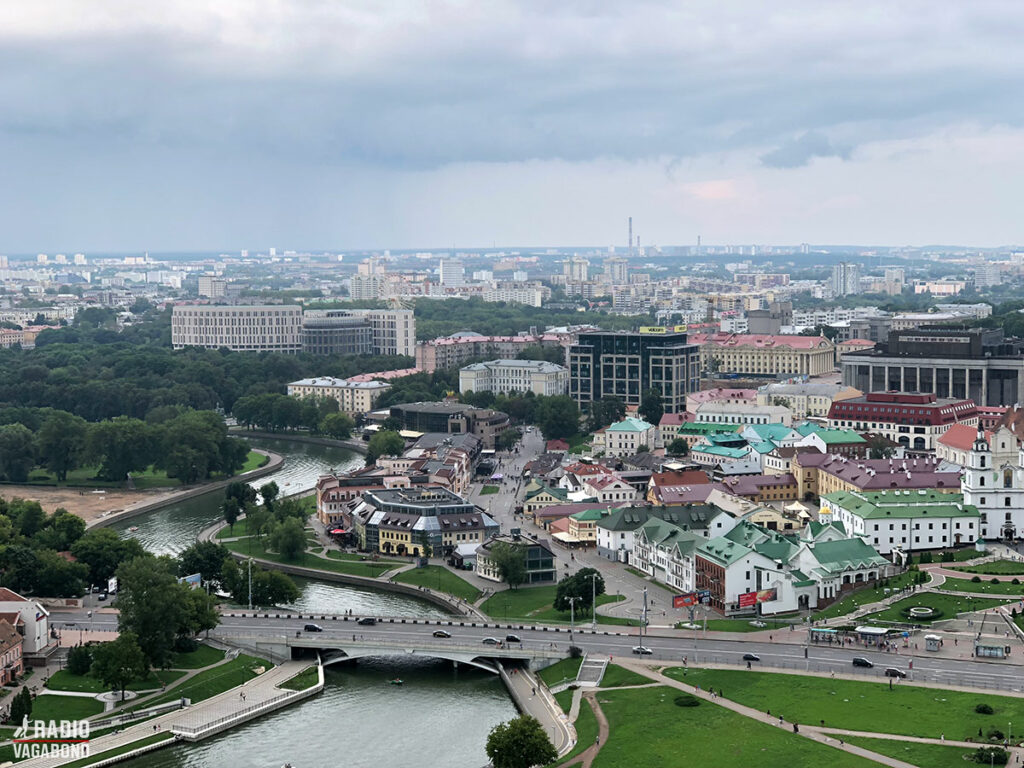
(665, 647)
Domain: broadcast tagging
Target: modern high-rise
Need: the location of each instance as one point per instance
(575, 269)
(616, 270)
(212, 287)
(453, 272)
(626, 365)
(274, 328)
(845, 279)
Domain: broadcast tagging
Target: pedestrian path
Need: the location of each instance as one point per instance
(533, 698)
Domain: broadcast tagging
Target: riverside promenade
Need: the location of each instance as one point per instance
(205, 718)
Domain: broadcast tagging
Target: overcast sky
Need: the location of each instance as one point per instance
(224, 124)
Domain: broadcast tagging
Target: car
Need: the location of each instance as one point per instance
(513, 639)
(860, 661)
(642, 650)
(751, 657)
(313, 628)
(442, 633)
(492, 641)
(893, 672)
(757, 623)
(367, 621)
(103, 596)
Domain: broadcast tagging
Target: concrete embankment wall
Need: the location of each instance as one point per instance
(353, 445)
(274, 464)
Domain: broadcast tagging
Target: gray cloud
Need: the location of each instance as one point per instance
(801, 150)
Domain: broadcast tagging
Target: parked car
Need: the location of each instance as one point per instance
(513, 639)
(103, 596)
(442, 633)
(751, 657)
(313, 628)
(860, 661)
(492, 641)
(642, 650)
(893, 672)
(367, 621)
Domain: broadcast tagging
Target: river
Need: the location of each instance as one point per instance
(441, 716)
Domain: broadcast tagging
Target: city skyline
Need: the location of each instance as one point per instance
(193, 128)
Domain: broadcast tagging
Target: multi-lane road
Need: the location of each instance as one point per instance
(787, 652)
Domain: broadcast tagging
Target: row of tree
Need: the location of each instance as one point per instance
(274, 412)
(189, 445)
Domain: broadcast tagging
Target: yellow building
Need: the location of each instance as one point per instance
(765, 354)
(354, 397)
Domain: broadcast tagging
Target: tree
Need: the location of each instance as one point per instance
(241, 492)
(879, 448)
(58, 577)
(120, 446)
(558, 417)
(678, 447)
(205, 558)
(507, 440)
(60, 531)
(258, 521)
(268, 587)
(102, 551)
(60, 442)
(21, 706)
(269, 492)
(289, 539)
(119, 662)
(520, 743)
(200, 614)
(337, 425)
(384, 443)
(17, 452)
(230, 509)
(581, 586)
(509, 561)
(79, 660)
(151, 606)
(605, 411)
(651, 408)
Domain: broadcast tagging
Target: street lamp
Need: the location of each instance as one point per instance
(572, 616)
(593, 597)
(250, 583)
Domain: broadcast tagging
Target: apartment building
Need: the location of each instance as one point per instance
(268, 328)
(914, 420)
(765, 354)
(354, 397)
(504, 376)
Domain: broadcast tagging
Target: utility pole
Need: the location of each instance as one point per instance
(250, 583)
(643, 620)
(572, 616)
(593, 598)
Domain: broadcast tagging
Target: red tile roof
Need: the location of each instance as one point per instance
(961, 437)
(686, 477)
(7, 596)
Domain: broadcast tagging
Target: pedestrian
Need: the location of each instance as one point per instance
(780, 719)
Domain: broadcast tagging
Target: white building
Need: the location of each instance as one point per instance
(452, 273)
(272, 328)
(996, 488)
(723, 412)
(354, 397)
(623, 438)
(32, 617)
(504, 376)
(667, 553)
(810, 399)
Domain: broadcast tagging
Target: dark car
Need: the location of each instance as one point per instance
(751, 657)
(313, 628)
(103, 596)
(513, 639)
(642, 650)
(367, 621)
(442, 633)
(860, 661)
(893, 672)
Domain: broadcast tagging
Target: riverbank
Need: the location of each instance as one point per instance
(351, 444)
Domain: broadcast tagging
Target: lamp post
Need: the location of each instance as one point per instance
(572, 620)
(250, 583)
(593, 598)
(643, 620)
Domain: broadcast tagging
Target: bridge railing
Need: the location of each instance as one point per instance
(317, 640)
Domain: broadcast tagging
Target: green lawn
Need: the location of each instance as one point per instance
(586, 727)
(855, 600)
(203, 656)
(566, 669)
(212, 681)
(487, 490)
(156, 678)
(50, 706)
(995, 567)
(564, 699)
(355, 557)
(440, 578)
(949, 605)
(647, 728)
(241, 528)
(921, 755)
(253, 461)
(616, 676)
(65, 681)
(535, 604)
(860, 706)
(257, 548)
(983, 587)
(92, 759)
(307, 678)
(579, 441)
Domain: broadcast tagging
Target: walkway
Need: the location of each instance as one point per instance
(533, 698)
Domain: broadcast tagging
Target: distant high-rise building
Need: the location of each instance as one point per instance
(42, 258)
(616, 269)
(212, 287)
(453, 272)
(845, 279)
(575, 269)
(987, 274)
(273, 252)
(80, 260)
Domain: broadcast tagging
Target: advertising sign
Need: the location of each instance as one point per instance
(685, 601)
(747, 599)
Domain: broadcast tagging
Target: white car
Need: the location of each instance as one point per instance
(642, 650)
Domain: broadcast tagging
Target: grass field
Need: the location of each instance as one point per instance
(307, 678)
(63, 680)
(995, 568)
(647, 728)
(984, 587)
(53, 707)
(440, 578)
(959, 555)
(203, 656)
(586, 727)
(356, 557)
(616, 676)
(566, 669)
(950, 605)
(488, 490)
(211, 681)
(564, 699)
(853, 601)
(921, 755)
(860, 706)
(535, 603)
(257, 548)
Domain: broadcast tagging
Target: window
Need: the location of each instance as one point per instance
(1006, 501)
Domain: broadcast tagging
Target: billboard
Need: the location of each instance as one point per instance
(194, 580)
(660, 329)
(685, 601)
(112, 585)
(747, 599)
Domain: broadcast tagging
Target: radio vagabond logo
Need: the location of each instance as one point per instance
(55, 738)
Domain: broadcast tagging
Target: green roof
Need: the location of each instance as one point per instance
(684, 516)
(837, 436)
(773, 432)
(763, 447)
(807, 428)
(903, 504)
(847, 554)
(723, 551)
(707, 428)
(559, 493)
(588, 514)
(630, 424)
(721, 450)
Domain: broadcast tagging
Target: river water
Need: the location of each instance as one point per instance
(440, 717)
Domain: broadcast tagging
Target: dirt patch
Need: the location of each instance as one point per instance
(84, 502)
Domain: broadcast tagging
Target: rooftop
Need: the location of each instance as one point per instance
(903, 503)
(538, 366)
(630, 424)
(761, 340)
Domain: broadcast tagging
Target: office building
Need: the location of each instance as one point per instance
(914, 420)
(505, 376)
(765, 355)
(452, 273)
(270, 328)
(452, 418)
(333, 334)
(452, 351)
(966, 363)
(576, 269)
(987, 274)
(393, 330)
(845, 279)
(354, 397)
(212, 287)
(626, 365)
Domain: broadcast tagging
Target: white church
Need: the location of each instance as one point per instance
(993, 481)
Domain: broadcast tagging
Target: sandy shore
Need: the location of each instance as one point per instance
(82, 501)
